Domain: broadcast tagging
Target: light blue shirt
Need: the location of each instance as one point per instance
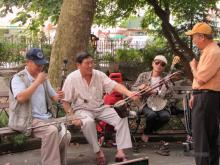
(38, 98)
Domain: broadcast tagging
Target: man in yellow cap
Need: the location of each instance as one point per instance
(205, 102)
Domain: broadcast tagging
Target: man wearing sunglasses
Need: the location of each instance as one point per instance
(205, 102)
(154, 119)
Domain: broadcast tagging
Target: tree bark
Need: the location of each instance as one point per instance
(72, 36)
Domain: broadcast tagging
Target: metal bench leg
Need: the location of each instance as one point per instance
(136, 146)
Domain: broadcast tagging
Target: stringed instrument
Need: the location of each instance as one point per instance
(121, 106)
(156, 101)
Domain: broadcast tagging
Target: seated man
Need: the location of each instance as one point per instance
(29, 99)
(154, 119)
(84, 89)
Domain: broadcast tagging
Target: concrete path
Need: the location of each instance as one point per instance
(83, 155)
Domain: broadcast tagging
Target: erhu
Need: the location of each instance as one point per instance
(63, 77)
(158, 102)
(121, 106)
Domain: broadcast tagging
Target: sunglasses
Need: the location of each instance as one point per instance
(163, 64)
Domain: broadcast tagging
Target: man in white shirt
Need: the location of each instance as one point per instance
(84, 89)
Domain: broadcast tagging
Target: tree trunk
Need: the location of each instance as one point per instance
(72, 36)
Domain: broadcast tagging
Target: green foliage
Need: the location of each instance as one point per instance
(184, 13)
(18, 139)
(125, 55)
(10, 52)
(35, 11)
(3, 120)
(158, 45)
(110, 12)
(129, 55)
(47, 50)
(131, 22)
(13, 50)
(155, 47)
(15, 139)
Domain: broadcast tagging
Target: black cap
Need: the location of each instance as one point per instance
(36, 55)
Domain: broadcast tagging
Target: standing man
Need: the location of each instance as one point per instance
(154, 119)
(205, 102)
(30, 103)
(84, 89)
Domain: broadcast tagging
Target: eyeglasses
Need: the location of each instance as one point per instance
(163, 64)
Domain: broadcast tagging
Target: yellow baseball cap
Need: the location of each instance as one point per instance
(200, 27)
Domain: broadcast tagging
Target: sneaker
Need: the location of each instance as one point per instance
(164, 146)
(162, 152)
(163, 149)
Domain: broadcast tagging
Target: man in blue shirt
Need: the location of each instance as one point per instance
(31, 87)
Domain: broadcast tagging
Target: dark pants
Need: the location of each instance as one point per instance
(155, 120)
(205, 125)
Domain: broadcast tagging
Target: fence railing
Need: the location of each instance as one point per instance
(10, 65)
(111, 46)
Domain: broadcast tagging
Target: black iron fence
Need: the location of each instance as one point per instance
(110, 46)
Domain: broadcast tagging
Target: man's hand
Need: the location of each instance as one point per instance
(191, 101)
(77, 122)
(133, 95)
(41, 77)
(142, 86)
(146, 88)
(60, 94)
(193, 64)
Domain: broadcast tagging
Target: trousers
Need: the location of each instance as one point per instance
(205, 126)
(53, 142)
(108, 115)
(155, 120)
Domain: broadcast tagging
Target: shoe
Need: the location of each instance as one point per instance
(101, 161)
(163, 152)
(121, 159)
(144, 138)
(163, 149)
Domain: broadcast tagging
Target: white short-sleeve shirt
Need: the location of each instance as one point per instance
(80, 94)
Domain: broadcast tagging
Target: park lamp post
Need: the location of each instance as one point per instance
(94, 39)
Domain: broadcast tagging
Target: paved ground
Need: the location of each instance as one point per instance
(83, 155)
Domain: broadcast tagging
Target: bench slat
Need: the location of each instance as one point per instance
(4, 94)
(182, 88)
(6, 131)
